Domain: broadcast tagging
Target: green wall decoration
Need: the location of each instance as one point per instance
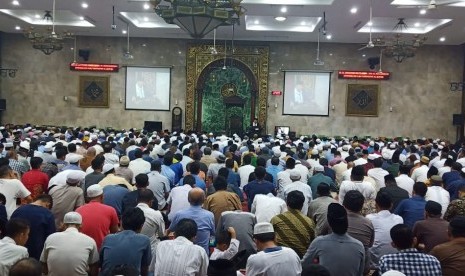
(225, 83)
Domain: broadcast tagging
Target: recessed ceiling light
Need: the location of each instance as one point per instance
(18, 28)
(364, 55)
(302, 23)
(146, 19)
(331, 54)
(416, 24)
(353, 10)
(284, 9)
(124, 31)
(146, 6)
(37, 16)
(329, 37)
(256, 22)
(81, 17)
(370, 23)
(84, 5)
(422, 11)
(15, 3)
(280, 18)
(143, 45)
(442, 39)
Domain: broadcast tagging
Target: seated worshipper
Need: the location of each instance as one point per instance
(98, 219)
(111, 179)
(159, 184)
(12, 189)
(130, 199)
(70, 252)
(96, 176)
(265, 207)
(222, 200)
(350, 253)
(433, 229)
(382, 222)
(113, 196)
(244, 221)
(35, 180)
(233, 188)
(284, 177)
(3, 215)
(404, 181)
(205, 219)
(138, 165)
(127, 249)
(194, 170)
(178, 198)
(26, 266)
(260, 162)
(271, 259)
(378, 173)
(294, 229)
(457, 206)
(412, 209)
(318, 209)
(12, 245)
(360, 228)
(408, 260)
(298, 185)
(451, 254)
(356, 182)
(258, 186)
(431, 171)
(110, 158)
(246, 169)
(86, 162)
(68, 197)
(227, 246)
(437, 193)
(123, 170)
(177, 167)
(41, 223)
(181, 256)
(453, 185)
(274, 168)
(397, 193)
(318, 178)
(17, 166)
(420, 174)
(73, 160)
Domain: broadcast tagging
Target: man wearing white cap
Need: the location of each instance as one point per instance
(272, 259)
(298, 185)
(111, 179)
(70, 252)
(68, 197)
(98, 219)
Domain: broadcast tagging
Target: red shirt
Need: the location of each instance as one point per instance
(97, 218)
(36, 182)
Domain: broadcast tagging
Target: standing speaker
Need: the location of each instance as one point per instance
(2, 104)
(457, 119)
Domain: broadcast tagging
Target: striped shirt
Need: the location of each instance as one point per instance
(294, 230)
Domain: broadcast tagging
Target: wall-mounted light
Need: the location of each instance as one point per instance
(276, 105)
(176, 102)
(120, 99)
(65, 98)
(333, 107)
(390, 109)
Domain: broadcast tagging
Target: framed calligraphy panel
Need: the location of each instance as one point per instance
(94, 91)
(362, 100)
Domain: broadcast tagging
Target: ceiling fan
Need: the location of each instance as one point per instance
(430, 4)
(370, 43)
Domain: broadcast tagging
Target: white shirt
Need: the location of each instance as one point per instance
(12, 189)
(180, 257)
(244, 173)
(178, 200)
(382, 222)
(228, 253)
(154, 226)
(284, 179)
(69, 253)
(10, 253)
(378, 175)
(443, 170)
(364, 187)
(440, 195)
(406, 183)
(304, 172)
(265, 207)
(304, 188)
(360, 161)
(420, 174)
(60, 178)
(138, 166)
(111, 158)
(346, 175)
(439, 164)
(185, 160)
(276, 263)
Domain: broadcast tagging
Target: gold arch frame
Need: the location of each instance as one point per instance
(199, 57)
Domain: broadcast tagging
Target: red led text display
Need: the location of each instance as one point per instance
(364, 75)
(94, 67)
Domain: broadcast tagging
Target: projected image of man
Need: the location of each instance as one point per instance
(140, 90)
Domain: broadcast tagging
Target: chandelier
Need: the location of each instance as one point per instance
(199, 17)
(49, 41)
(400, 49)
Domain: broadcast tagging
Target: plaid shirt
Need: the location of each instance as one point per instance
(411, 262)
(17, 166)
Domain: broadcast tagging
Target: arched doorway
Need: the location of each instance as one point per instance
(226, 97)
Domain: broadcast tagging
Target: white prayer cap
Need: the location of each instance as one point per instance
(263, 228)
(72, 218)
(94, 191)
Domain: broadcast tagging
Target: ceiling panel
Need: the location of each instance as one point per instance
(414, 25)
(147, 20)
(291, 24)
(289, 2)
(62, 18)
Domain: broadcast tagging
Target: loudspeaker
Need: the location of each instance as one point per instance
(84, 54)
(2, 104)
(457, 119)
(372, 62)
(152, 126)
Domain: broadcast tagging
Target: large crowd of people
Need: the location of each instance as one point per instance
(87, 201)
